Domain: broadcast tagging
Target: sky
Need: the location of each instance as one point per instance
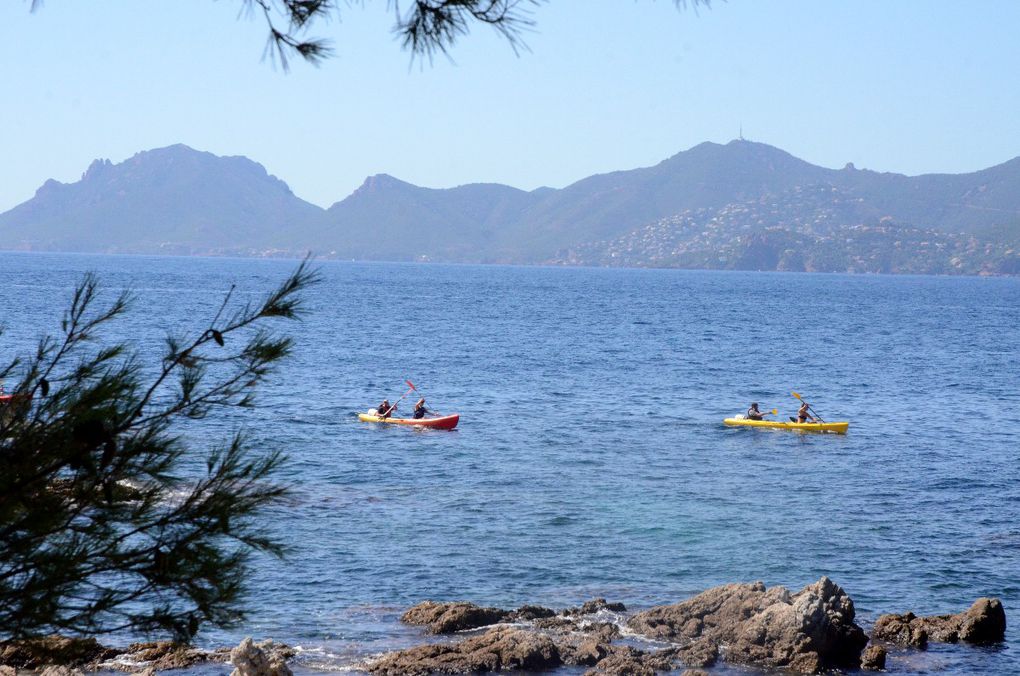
(912, 86)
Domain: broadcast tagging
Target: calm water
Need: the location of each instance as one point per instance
(591, 458)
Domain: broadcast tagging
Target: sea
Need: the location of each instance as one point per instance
(591, 459)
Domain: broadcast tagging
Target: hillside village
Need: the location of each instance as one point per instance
(813, 229)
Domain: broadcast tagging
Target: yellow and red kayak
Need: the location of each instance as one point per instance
(832, 427)
(445, 422)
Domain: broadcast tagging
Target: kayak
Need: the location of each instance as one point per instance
(834, 427)
(446, 422)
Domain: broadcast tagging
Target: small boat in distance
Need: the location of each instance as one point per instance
(443, 422)
(438, 421)
(831, 427)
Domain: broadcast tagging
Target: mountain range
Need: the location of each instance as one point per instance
(742, 205)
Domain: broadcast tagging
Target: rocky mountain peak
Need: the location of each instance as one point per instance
(96, 169)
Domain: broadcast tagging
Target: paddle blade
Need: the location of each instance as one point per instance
(411, 385)
(775, 411)
(795, 394)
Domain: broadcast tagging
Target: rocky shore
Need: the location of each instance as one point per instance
(61, 656)
(809, 631)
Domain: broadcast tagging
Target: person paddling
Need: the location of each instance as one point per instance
(753, 413)
(384, 409)
(803, 415)
(420, 410)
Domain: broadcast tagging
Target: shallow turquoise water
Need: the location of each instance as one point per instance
(591, 458)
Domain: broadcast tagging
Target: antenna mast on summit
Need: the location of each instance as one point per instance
(741, 131)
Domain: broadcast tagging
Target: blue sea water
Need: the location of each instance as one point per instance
(591, 459)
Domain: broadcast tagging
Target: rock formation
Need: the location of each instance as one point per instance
(447, 618)
(873, 658)
(807, 631)
(38, 653)
(163, 655)
(260, 659)
(983, 622)
(594, 606)
(61, 656)
(496, 649)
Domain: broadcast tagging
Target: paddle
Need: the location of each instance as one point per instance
(795, 394)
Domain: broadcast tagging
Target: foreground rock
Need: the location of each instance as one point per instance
(60, 656)
(503, 648)
(496, 649)
(163, 655)
(807, 632)
(983, 622)
(873, 658)
(37, 653)
(88, 654)
(260, 659)
(623, 660)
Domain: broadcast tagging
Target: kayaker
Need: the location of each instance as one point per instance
(384, 409)
(419, 409)
(753, 413)
(803, 415)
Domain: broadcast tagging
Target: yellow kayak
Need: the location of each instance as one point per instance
(833, 427)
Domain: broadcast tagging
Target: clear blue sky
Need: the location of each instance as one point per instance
(909, 86)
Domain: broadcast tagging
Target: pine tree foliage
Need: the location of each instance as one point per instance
(102, 525)
(424, 27)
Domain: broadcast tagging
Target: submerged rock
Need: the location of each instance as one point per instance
(807, 631)
(594, 606)
(983, 622)
(529, 613)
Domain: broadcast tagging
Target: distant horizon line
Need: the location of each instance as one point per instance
(342, 261)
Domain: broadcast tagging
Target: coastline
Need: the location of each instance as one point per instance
(772, 629)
